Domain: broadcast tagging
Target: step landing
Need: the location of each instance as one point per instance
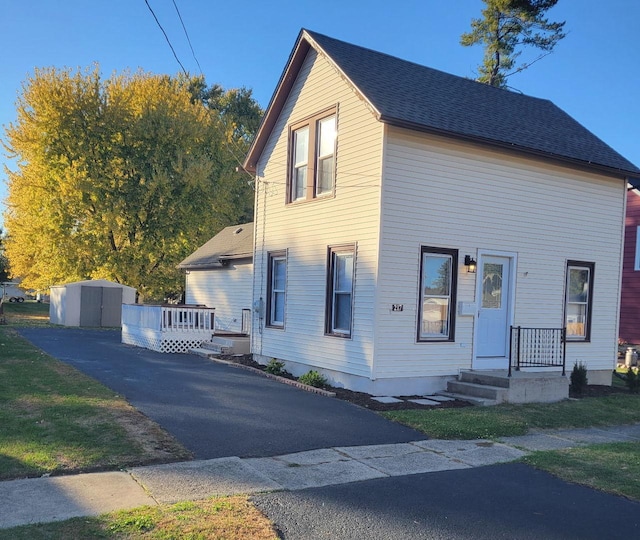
(495, 386)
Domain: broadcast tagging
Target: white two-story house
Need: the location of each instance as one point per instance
(406, 219)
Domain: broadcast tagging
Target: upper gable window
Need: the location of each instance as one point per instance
(312, 150)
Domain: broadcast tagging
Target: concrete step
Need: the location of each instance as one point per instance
(483, 391)
(219, 341)
(480, 402)
(492, 378)
(200, 351)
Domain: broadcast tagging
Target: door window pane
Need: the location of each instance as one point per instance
(492, 285)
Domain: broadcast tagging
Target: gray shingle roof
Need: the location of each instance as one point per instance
(235, 242)
(421, 98)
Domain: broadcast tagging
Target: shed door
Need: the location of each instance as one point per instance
(90, 306)
(111, 306)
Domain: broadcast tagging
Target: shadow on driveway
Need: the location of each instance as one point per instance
(216, 410)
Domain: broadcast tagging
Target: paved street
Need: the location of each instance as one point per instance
(510, 501)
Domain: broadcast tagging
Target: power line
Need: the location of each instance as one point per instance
(166, 37)
(187, 36)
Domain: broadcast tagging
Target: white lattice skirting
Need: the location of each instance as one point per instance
(164, 342)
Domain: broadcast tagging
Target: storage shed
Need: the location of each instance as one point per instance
(94, 303)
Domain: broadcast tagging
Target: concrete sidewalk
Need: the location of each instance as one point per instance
(57, 498)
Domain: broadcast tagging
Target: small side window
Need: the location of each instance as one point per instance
(579, 300)
(340, 278)
(276, 293)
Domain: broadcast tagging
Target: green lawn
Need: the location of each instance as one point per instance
(27, 313)
(230, 518)
(614, 468)
(506, 420)
(55, 419)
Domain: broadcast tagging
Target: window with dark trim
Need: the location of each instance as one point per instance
(276, 288)
(579, 300)
(339, 304)
(312, 151)
(437, 298)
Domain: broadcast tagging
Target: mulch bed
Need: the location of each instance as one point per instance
(597, 390)
(357, 398)
(364, 400)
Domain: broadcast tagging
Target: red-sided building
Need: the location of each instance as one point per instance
(630, 294)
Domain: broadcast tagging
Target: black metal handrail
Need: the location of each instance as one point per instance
(537, 347)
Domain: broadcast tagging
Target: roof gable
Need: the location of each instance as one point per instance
(417, 97)
(235, 242)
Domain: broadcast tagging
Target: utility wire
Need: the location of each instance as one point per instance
(187, 36)
(166, 37)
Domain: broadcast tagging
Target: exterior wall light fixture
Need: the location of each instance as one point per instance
(470, 263)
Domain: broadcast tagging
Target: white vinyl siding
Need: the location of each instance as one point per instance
(226, 289)
(307, 229)
(478, 198)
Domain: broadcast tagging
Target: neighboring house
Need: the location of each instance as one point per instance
(377, 180)
(219, 275)
(630, 297)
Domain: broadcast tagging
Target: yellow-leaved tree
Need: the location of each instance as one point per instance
(121, 178)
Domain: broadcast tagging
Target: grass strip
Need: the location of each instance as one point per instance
(55, 419)
(509, 420)
(231, 518)
(613, 467)
(26, 313)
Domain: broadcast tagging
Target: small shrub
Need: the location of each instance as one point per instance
(632, 380)
(579, 378)
(275, 367)
(313, 378)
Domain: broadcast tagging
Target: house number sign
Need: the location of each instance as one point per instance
(397, 307)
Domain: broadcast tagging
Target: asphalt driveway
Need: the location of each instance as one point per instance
(216, 410)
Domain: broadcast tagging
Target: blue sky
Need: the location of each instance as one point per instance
(594, 74)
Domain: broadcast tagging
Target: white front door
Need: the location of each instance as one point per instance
(494, 298)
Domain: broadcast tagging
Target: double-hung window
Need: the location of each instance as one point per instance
(438, 278)
(312, 157)
(276, 289)
(579, 300)
(340, 290)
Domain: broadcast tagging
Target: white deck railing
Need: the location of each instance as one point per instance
(166, 328)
